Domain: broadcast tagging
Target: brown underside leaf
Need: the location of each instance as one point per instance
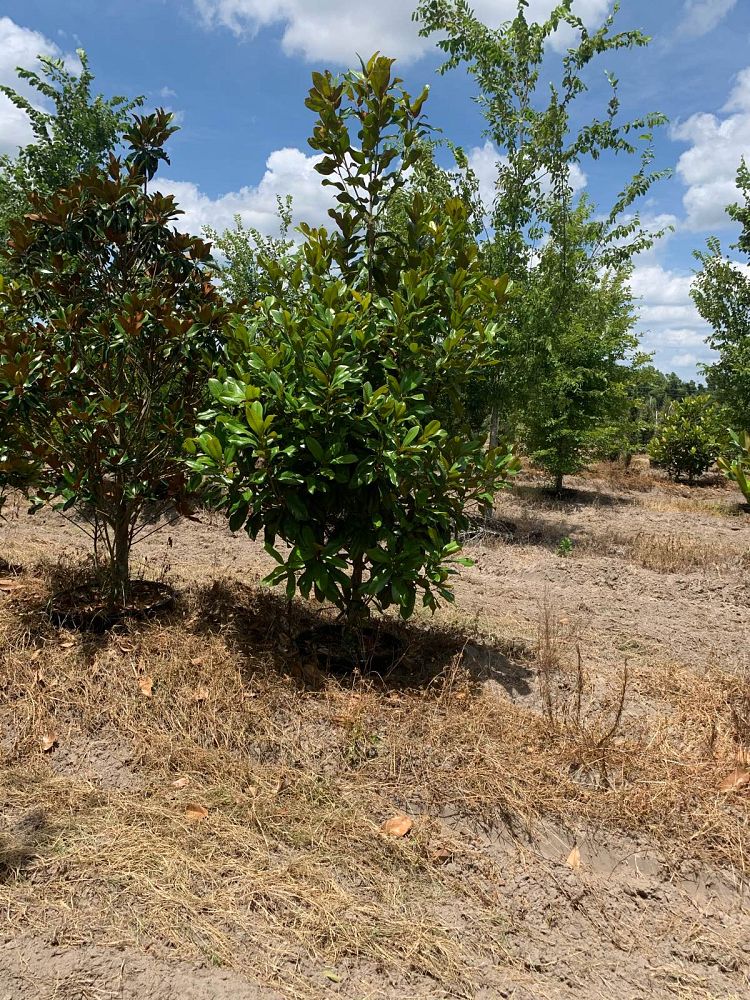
(195, 812)
(397, 826)
(181, 783)
(737, 779)
(146, 684)
(573, 860)
(48, 742)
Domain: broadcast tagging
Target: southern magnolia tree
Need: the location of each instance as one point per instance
(542, 152)
(649, 398)
(721, 291)
(104, 338)
(338, 426)
(691, 438)
(73, 130)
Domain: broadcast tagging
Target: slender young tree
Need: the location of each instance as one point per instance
(541, 156)
(584, 374)
(721, 291)
(73, 129)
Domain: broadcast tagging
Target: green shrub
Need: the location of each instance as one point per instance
(737, 466)
(338, 426)
(690, 438)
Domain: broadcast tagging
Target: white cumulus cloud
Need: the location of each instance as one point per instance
(18, 47)
(669, 323)
(288, 171)
(337, 30)
(702, 16)
(709, 166)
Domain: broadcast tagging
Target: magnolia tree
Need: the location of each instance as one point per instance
(338, 425)
(104, 339)
(691, 438)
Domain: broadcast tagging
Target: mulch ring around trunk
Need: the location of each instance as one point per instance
(86, 607)
(340, 649)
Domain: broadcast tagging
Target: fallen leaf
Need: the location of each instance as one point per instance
(146, 684)
(441, 856)
(67, 643)
(201, 693)
(737, 779)
(11, 583)
(181, 783)
(333, 976)
(397, 826)
(195, 812)
(573, 860)
(280, 785)
(48, 742)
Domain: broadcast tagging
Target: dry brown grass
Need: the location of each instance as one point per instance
(289, 874)
(637, 477)
(570, 703)
(667, 552)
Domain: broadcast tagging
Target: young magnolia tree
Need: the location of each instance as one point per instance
(338, 426)
(531, 103)
(691, 437)
(104, 338)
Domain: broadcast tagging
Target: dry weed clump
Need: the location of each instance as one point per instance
(570, 705)
(235, 808)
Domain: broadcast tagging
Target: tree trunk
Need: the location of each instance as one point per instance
(354, 611)
(494, 427)
(558, 482)
(119, 569)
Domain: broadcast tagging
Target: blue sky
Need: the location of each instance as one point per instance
(236, 73)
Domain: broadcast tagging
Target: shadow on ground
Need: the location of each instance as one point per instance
(312, 646)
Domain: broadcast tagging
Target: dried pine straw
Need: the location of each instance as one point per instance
(289, 869)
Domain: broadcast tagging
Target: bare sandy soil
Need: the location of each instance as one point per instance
(569, 839)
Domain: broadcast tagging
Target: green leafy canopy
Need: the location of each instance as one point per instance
(338, 426)
(106, 334)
